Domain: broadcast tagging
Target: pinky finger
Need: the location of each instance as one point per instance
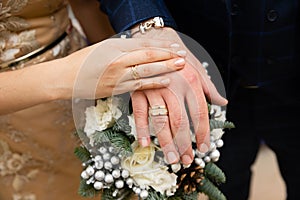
(141, 84)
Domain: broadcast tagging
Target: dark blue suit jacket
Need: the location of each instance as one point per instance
(253, 42)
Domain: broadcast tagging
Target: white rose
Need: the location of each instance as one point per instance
(101, 116)
(148, 173)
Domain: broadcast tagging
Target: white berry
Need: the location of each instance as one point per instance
(98, 185)
(90, 170)
(144, 194)
(119, 184)
(99, 175)
(109, 178)
(84, 175)
(125, 173)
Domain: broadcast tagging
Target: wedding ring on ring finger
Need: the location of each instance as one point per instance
(135, 74)
(158, 111)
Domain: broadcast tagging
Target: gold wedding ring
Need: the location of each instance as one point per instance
(158, 111)
(135, 74)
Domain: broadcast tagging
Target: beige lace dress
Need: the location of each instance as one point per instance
(36, 145)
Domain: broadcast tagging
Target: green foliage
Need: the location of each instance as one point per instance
(215, 124)
(191, 196)
(124, 194)
(118, 140)
(86, 190)
(82, 154)
(208, 188)
(122, 125)
(175, 197)
(214, 173)
(153, 195)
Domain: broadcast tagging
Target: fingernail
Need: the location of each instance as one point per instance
(203, 148)
(181, 53)
(179, 62)
(171, 156)
(175, 45)
(144, 141)
(186, 159)
(165, 81)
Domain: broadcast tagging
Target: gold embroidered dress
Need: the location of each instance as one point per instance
(36, 144)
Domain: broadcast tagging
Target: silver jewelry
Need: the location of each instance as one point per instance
(156, 22)
(158, 111)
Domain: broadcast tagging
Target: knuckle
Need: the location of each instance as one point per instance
(139, 112)
(201, 114)
(180, 123)
(192, 78)
(139, 84)
(150, 55)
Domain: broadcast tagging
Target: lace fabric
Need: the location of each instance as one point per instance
(37, 144)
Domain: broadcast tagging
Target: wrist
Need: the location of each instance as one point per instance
(59, 84)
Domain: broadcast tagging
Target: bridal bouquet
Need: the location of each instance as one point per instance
(116, 167)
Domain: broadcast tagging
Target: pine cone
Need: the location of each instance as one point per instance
(189, 178)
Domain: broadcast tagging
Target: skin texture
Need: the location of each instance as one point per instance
(191, 88)
(91, 73)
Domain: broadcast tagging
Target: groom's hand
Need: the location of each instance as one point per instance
(191, 88)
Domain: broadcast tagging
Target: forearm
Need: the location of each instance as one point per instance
(33, 85)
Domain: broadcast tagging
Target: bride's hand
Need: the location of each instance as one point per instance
(116, 66)
(96, 71)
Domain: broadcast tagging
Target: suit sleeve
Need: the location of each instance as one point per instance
(123, 14)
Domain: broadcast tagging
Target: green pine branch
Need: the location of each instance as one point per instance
(86, 190)
(191, 196)
(214, 173)
(153, 195)
(209, 189)
(215, 124)
(82, 154)
(117, 139)
(123, 194)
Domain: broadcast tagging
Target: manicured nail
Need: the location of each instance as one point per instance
(203, 148)
(174, 45)
(171, 157)
(186, 159)
(144, 141)
(165, 81)
(181, 53)
(179, 62)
